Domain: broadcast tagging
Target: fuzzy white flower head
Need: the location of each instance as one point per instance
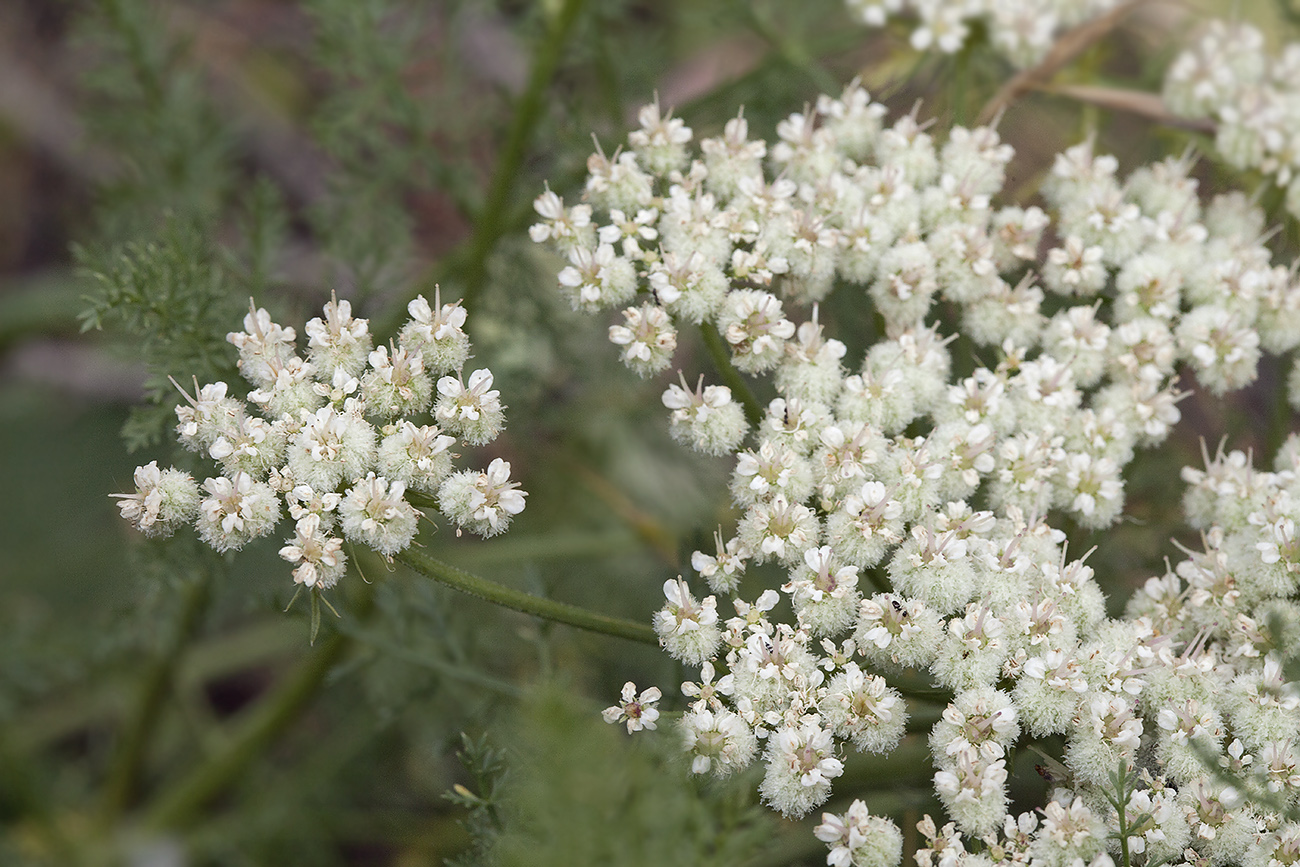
(338, 340)
(865, 708)
(209, 415)
(419, 456)
(779, 529)
(254, 446)
(975, 717)
(318, 558)
(637, 711)
(292, 391)
(800, 767)
(374, 513)
(332, 447)
(858, 839)
(340, 391)
(472, 412)
(705, 419)
(724, 569)
(263, 346)
(567, 228)
(437, 332)
(397, 385)
(648, 339)
(824, 592)
(482, 503)
(974, 789)
(661, 141)
(628, 233)
(164, 499)
(755, 327)
(597, 279)
(1070, 834)
(236, 510)
(719, 741)
(304, 501)
(687, 629)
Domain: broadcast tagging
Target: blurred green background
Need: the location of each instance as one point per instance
(377, 148)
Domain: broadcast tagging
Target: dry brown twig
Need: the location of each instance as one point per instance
(1139, 102)
(1070, 45)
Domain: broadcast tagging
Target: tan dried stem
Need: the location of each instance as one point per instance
(1139, 102)
(1070, 45)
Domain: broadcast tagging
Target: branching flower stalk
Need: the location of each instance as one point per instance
(507, 597)
(953, 488)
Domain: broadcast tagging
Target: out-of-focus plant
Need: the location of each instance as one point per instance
(933, 364)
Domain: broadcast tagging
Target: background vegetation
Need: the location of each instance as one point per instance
(160, 163)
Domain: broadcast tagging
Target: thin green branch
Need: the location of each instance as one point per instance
(178, 805)
(507, 597)
(730, 376)
(124, 772)
(491, 220)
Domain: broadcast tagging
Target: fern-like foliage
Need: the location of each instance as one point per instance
(174, 298)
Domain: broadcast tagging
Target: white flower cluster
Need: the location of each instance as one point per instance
(1022, 31)
(637, 711)
(909, 512)
(335, 443)
(1228, 76)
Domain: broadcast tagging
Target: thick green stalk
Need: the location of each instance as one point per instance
(1279, 421)
(491, 216)
(124, 772)
(730, 376)
(507, 597)
(272, 715)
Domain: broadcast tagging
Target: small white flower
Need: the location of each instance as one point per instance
(338, 340)
(164, 499)
(472, 412)
(236, 510)
(437, 332)
(482, 503)
(374, 513)
(319, 559)
(705, 419)
(637, 711)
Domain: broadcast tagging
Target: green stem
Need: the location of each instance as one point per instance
(730, 376)
(507, 597)
(271, 716)
(960, 82)
(1121, 811)
(491, 217)
(124, 773)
